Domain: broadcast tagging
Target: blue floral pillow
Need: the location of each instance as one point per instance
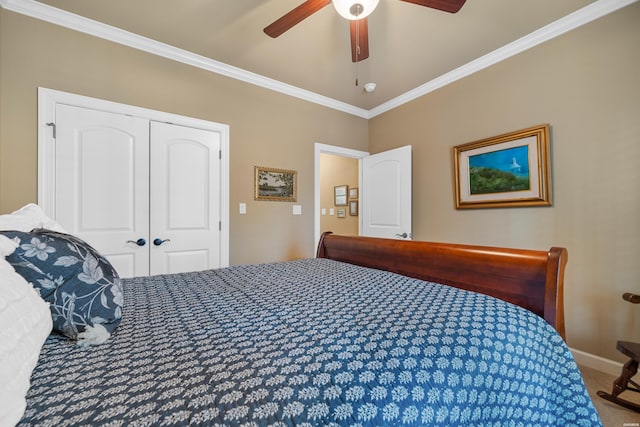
(82, 287)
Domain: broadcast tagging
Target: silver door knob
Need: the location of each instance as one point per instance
(403, 235)
(158, 241)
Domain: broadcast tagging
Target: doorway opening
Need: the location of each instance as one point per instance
(347, 153)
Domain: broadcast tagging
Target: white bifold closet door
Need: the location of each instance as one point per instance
(145, 194)
(184, 194)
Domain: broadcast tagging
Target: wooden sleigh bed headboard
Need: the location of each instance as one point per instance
(528, 278)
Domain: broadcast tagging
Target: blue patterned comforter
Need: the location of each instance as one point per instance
(307, 343)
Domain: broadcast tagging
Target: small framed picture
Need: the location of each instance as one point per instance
(353, 193)
(341, 213)
(340, 195)
(273, 184)
(353, 207)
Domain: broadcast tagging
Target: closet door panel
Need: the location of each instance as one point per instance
(188, 181)
(102, 184)
(185, 199)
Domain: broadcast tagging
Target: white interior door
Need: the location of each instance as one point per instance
(102, 183)
(386, 194)
(185, 194)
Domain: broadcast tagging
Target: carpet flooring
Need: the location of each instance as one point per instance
(612, 415)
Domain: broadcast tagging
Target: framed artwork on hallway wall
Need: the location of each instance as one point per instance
(353, 207)
(340, 195)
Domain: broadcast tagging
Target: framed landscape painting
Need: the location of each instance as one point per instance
(504, 171)
(275, 184)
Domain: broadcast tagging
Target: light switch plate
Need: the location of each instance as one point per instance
(243, 208)
(297, 209)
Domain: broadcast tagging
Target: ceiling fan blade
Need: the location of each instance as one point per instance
(451, 6)
(359, 30)
(296, 15)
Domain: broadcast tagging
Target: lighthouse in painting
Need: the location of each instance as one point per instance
(515, 167)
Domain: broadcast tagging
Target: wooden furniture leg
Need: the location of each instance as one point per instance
(622, 382)
(631, 349)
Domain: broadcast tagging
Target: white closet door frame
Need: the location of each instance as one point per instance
(47, 100)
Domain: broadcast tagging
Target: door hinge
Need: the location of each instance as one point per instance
(219, 225)
(220, 154)
(53, 127)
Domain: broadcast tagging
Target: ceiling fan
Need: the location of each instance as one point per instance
(356, 11)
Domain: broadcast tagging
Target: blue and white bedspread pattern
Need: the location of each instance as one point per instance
(307, 343)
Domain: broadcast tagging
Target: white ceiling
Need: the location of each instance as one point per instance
(411, 47)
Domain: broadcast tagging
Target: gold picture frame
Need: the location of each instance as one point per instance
(340, 195)
(353, 207)
(279, 185)
(508, 170)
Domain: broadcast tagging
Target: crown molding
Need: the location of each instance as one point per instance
(75, 22)
(572, 21)
(79, 23)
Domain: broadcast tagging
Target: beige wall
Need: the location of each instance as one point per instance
(586, 85)
(337, 170)
(266, 128)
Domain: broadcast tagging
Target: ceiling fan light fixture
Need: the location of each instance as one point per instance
(355, 9)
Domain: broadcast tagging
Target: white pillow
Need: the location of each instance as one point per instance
(26, 323)
(7, 246)
(27, 218)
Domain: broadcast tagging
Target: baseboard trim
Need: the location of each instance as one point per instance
(592, 361)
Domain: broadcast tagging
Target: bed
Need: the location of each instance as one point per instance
(370, 332)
